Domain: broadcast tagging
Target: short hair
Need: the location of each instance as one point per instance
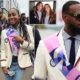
(67, 5)
(22, 14)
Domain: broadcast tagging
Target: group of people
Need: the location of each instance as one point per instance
(42, 14)
(57, 56)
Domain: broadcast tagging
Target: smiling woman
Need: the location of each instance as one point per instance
(16, 49)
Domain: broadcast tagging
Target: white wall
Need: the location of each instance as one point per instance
(24, 6)
(10, 4)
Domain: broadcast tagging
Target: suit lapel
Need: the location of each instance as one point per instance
(60, 38)
(78, 55)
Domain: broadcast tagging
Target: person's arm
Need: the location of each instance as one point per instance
(24, 43)
(3, 54)
(29, 44)
(40, 68)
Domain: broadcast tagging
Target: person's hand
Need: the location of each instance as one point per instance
(19, 39)
(5, 70)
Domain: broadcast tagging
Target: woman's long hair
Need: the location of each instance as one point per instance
(51, 14)
(25, 31)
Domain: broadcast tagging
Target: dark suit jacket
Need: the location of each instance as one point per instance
(37, 38)
(34, 19)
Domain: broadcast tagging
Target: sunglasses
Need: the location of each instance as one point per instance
(76, 16)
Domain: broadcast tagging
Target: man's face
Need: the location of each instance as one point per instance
(73, 20)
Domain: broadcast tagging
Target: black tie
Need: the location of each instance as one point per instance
(72, 51)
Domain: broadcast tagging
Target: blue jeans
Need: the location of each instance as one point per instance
(18, 72)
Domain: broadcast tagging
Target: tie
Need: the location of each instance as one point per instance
(72, 51)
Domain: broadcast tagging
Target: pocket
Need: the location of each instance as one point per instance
(25, 53)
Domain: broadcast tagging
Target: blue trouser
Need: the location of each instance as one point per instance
(18, 72)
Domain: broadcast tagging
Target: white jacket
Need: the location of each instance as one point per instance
(23, 56)
(42, 66)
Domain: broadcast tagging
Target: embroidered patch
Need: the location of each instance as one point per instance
(52, 63)
(6, 40)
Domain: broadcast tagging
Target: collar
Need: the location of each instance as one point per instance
(15, 28)
(66, 36)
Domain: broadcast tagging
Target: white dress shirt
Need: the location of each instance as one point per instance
(67, 43)
(46, 20)
(39, 15)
